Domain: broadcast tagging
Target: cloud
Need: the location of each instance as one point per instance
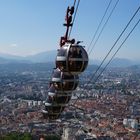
(13, 45)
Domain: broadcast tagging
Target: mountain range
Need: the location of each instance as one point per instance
(43, 57)
(50, 56)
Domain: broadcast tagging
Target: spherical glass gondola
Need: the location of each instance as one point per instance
(64, 81)
(50, 116)
(58, 97)
(53, 91)
(53, 108)
(60, 100)
(53, 116)
(72, 58)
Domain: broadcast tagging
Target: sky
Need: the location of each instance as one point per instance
(29, 27)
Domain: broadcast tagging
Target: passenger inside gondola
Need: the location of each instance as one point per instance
(79, 53)
(75, 52)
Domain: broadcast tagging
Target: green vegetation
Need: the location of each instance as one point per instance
(26, 136)
(16, 136)
(52, 137)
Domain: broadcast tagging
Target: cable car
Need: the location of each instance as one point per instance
(53, 111)
(50, 116)
(72, 58)
(53, 108)
(53, 91)
(58, 97)
(64, 81)
(60, 100)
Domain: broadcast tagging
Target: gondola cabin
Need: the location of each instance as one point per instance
(72, 58)
(64, 81)
(58, 97)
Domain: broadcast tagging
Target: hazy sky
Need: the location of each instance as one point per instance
(33, 26)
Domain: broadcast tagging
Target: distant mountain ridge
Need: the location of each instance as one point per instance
(50, 56)
(2, 60)
(122, 62)
(118, 62)
(11, 57)
(43, 57)
(7, 61)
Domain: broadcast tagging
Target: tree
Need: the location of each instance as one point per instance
(52, 137)
(17, 136)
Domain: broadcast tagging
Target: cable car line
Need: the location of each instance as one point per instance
(103, 27)
(74, 16)
(111, 50)
(74, 3)
(99, 25)
(117, 40)
(128, 35)
(117, 50)
(115, 43)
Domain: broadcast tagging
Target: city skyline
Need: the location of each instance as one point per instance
(31, 27)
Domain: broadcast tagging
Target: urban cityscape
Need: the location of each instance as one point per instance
(108, 109)
(54, 83)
